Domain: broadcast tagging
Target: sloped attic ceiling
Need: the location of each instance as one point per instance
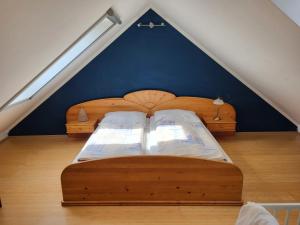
(291, 8)
(33, 33)
(252, 39)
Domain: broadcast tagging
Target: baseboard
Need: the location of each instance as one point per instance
(3, 136)
(298, 128)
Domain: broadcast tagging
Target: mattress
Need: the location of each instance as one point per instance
(164, 138)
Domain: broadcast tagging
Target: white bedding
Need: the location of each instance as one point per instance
(169, 136)
(115, 137)
(162, 135)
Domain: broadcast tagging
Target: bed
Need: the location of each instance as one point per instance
(130, 171)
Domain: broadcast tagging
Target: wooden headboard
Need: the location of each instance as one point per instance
(149, 101)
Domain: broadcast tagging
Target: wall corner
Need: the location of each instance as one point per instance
(3, 136)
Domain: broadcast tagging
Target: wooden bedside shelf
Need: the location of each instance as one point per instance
(224, 126)
(81, 129)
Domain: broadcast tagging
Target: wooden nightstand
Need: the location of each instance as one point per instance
(224, 126)
(81, 129)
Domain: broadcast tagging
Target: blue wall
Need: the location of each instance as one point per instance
(160, 58)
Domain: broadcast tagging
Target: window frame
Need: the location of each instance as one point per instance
(108, 15)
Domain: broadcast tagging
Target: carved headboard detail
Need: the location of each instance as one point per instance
(149, 101)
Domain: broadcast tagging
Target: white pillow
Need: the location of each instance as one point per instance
(178, 115)
(125, 118)
(255, 214)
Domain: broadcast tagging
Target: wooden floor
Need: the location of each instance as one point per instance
(30, 170)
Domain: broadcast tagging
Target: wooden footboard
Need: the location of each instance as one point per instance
(152, 180)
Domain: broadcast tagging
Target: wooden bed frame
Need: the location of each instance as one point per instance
(151, 180)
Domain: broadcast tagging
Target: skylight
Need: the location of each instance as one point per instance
(69, 55)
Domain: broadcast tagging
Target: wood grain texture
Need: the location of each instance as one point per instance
(152, 180)
(149, 98)
(149, 101)
(87, 127)
(225, 126)
(30, 186)
(96, 109)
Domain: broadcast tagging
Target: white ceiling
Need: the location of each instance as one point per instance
(291, 8)
(253, 39)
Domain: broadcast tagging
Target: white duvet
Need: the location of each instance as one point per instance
(172, 137)
(115, 137)
(162, 134)
(113, 142)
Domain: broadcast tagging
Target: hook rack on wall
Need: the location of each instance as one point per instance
(151, 25)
